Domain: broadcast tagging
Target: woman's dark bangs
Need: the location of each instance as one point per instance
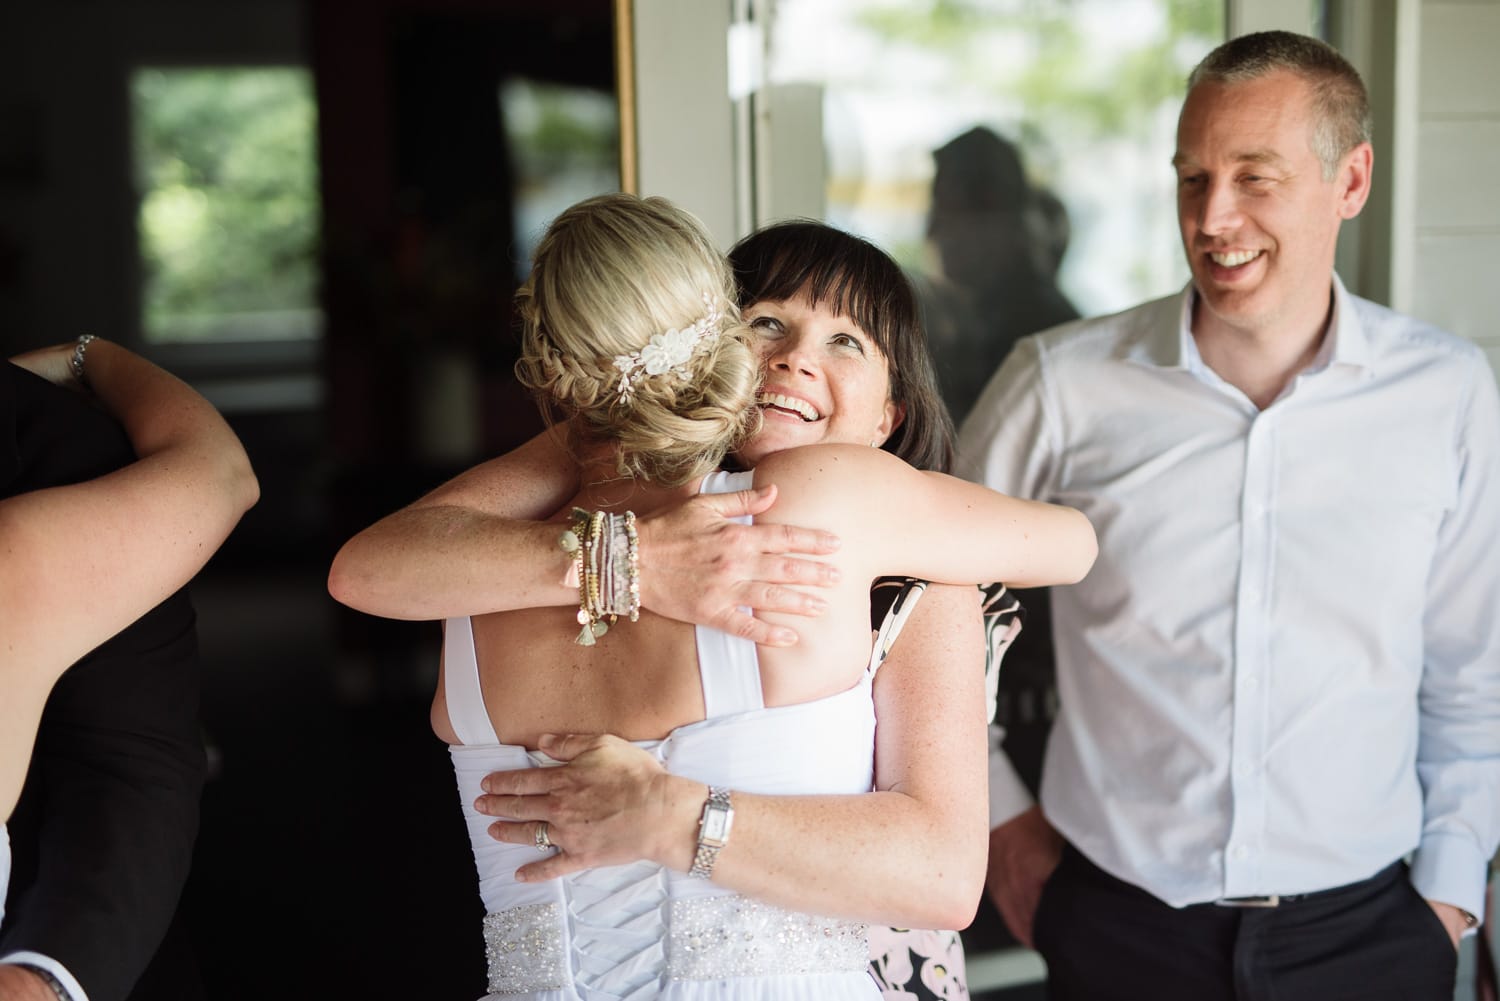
(843, 280)
(845, 273)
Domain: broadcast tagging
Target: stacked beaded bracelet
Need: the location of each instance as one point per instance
(605, 566)
(633, 571)
(75, 363)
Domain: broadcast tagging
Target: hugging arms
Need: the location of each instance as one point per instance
(887, 857)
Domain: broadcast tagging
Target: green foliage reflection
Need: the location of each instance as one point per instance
(229, 210)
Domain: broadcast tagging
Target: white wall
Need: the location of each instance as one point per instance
(684, 118)
(1457, 230)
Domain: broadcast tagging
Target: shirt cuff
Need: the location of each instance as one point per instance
(52, 966)
(1009, 797)
(1452, 869)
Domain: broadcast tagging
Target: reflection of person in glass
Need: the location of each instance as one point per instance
(999, 243)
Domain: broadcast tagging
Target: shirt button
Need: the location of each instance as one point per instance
(1251, 682)
(1240, 852)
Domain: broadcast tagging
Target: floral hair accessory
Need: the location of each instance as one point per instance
(668, 351)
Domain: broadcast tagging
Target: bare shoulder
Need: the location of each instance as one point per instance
(951, 604)
(826, 467)
(837, 487)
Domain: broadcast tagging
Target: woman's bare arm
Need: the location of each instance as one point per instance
(911, 854)
(84, 561)
(905, 522)
(81, 562)
(480, 544)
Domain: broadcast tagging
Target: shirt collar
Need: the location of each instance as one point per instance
(1167, 344)
(1347, 342)
(1162, 337)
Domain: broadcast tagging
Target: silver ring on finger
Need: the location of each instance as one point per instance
(540, 839)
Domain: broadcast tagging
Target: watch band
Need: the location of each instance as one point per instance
(713, 832)
(46, 977)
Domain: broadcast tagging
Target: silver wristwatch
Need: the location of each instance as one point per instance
(713, 832)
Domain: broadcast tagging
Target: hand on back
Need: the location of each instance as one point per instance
(609, 803)
(699, 566)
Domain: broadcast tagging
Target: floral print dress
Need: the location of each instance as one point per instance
(913, 964)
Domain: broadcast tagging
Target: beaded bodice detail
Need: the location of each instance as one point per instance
(640, 931)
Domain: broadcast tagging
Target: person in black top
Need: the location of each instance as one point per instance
(110, 500)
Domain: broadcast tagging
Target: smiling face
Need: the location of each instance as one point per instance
(826, 381)
(1259, 220)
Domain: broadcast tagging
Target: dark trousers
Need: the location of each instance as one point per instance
(1104, 939)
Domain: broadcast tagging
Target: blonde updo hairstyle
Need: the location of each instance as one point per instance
(610, 273)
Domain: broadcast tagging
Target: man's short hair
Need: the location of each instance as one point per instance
(1341, 107)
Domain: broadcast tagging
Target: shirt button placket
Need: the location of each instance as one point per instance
(1250, 692)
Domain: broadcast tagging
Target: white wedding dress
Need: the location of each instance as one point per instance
(641, 931)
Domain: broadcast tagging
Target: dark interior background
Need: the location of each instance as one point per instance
(332, 860)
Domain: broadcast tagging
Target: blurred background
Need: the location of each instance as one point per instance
(317, 211)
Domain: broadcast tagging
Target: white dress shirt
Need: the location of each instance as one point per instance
(1283, 672)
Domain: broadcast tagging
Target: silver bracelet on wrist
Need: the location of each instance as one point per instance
(75, 364)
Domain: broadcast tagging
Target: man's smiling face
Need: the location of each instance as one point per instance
(1259, 220)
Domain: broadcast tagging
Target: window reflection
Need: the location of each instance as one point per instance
(228, 222)
(1013, 154)
(565, 142)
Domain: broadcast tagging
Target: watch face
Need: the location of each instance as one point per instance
(715, 823)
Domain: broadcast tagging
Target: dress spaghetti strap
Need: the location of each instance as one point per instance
(461, 689)
(728, 666)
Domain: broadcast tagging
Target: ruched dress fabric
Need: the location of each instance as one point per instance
(632, 932)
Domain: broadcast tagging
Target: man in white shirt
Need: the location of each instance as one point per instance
(1281, 680)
